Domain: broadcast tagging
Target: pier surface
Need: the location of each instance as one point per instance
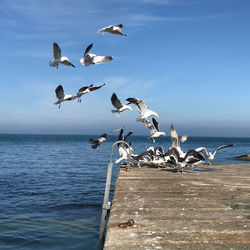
(207, 209)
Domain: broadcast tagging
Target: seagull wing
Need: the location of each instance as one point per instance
(115, 101)
(183, 138)
(174, 137)
(193, 154)
(88, 49)
(140, 105)
(121, 137)
(203, 150)
(56, 51)
(149, 125)
(66, 62)
(92, 88)
(128, 134)
(118, 25)
(82, 89)
(156, 124)
(59, 92)
(102, 59)
(221, 147)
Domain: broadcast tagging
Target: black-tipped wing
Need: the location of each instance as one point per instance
(82, 89)
(121, 137)
(128, 134)
(115, 101)
(193, 154)
(132, 100)
(118, 25)
(56, 51)
(88, 49)
(223, 146)
(59, 92)
(156, 124)
(92, 88)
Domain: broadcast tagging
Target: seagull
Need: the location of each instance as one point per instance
(88, 58)
(118, 105)
(87, 89)
(58, 58)
(142, 108)
(176, 140)
(112, 29)
(154, 129)
(123, 149)
(97, 142)
(210, 156)
(191, 158)
(61, 96)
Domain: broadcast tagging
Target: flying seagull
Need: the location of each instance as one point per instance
(154, 129)
(88, 58)
(123, 149)
(176, 140)
(87, 89)
(112, 29)
(118, 105)
(210, 156)
(58, 58)
(142, 108)
(61, 96)
(97, 142)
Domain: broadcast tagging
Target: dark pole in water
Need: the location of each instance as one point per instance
(106, 203)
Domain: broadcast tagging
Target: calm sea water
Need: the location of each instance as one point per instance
(52, 186)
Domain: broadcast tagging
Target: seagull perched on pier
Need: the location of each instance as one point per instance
(210, 156)
(118, 105)
(61, 96)
(58, 58)
(191, 158)
(112, 29)
(176, 140)
(154, 129)
(142, 108)
(97, 142)
(87, 89)
(88, 58)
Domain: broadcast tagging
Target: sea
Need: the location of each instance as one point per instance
(52, 186)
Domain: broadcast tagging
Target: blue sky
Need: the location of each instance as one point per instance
(188, 60)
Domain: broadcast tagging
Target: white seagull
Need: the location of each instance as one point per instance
(58, 58)
(112, 29)
(118, 105)
(142, 108)
(154, 129)
(61, 96)
(87, 89)
(210, 156)
(97, 142)
(176, 140)
(88, 58)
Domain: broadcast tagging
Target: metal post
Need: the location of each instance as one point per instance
(106, 204)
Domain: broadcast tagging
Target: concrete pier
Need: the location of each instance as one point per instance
(207, 209)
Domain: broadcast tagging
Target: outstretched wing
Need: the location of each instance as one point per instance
(115, 101)
(102, 59)
(221, 147)
(128, 134)
(149, 125)
(156, 124)
(174, 137)
(88, 49)
(183, 138)
(92, 88)
(56, 51)
(140, 105)
(59, 92)
(121, 137)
